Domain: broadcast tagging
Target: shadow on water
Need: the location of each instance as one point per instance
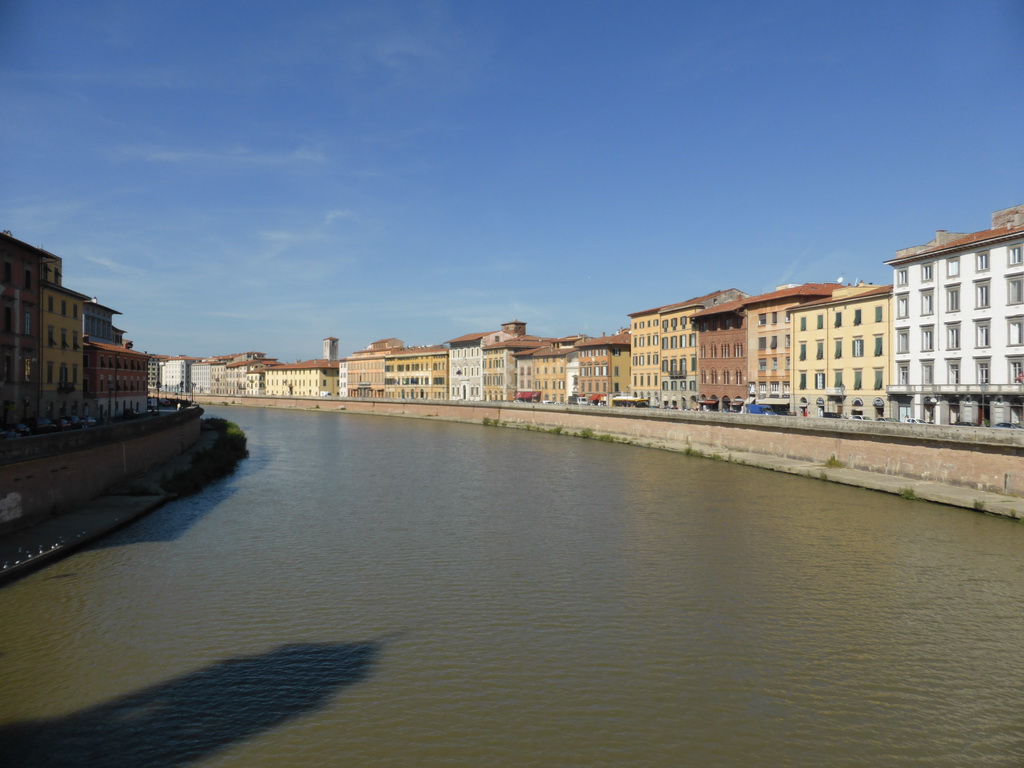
(171, 521)
(182, 721)
(175, 519)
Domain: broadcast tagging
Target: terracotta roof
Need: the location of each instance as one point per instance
(736, 305)
(259, 361)
(410, 351)
(470, 337)
(119, 349)
(553, 351)
(961, 242)
(618, 338)
(679, 304)
(881, 290)
(305, 365)
(807, 289)
(518, 342)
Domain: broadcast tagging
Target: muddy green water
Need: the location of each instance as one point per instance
(369, 591)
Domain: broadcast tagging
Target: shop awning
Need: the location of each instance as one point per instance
(596, 398)
(528, 396)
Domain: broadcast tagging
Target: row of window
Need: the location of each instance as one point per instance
(858, 380)
(982, 336)
(714, 376)
(982, 298)
(762, 319)
(982, 263)
(726, 350)
(982, 372)
(856, 349)
(837, 320)
(63, 307)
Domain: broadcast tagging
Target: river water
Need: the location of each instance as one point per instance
(371, 591)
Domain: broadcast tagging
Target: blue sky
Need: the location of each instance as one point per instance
(256, 175)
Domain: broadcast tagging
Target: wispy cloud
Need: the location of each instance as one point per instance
(339, 214)
(239, 155)
(114, 266)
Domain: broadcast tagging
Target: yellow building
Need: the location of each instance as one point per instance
(549, 372)
(842, 361)
(770, 341)
(311, 378)
(604, 367)
(416, 373)
(366, 368)
(501, 379)
(60, 344)
(663, 357)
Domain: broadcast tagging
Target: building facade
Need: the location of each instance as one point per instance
(19, 335)
(722, 356)
(62, 366)
(501, 370)
(416, 373)
(366, 368)
(466, 359)
(667, 374)
(841, 347)
(310, 378)
(116, 381)
(958, 326)
(604, 367)
(769, 341)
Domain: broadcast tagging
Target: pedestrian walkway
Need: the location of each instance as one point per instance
(30, 548)
(924, 490)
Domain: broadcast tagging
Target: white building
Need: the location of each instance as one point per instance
(466, 360)
(175, 376)
(200, 376)
(958, 306)
(343, 377)
(98, 323)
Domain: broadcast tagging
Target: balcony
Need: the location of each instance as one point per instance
(835, 391)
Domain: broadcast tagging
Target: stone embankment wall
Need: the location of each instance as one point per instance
(982, 459)
(48, 475)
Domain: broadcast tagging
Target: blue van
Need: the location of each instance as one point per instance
(762, 409)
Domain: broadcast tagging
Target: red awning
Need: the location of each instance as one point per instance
(595, 398)
(528, 396)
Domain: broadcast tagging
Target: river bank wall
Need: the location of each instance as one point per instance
(48, 475)
(985, 460)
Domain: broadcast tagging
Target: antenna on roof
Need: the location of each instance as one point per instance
(839, 279)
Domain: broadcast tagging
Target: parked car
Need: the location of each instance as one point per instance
(63, 425)
(886, 418)
(1007, 425)
(762, 409)
(912, 420)
(859, 418)
(830, 415)
(964, 424)
(22, 430)
(40, 425)
(74, 421)
(8, 433)
(88, 421)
